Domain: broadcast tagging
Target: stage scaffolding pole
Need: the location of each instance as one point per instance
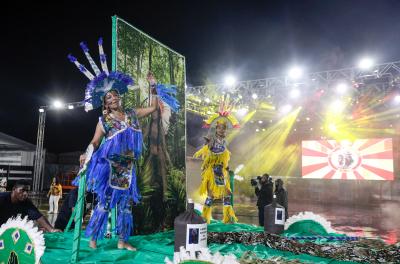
(39, 153)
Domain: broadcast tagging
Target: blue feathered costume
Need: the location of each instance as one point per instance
(111, 174)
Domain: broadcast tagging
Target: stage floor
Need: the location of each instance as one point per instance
(154, 248)
(375, 221)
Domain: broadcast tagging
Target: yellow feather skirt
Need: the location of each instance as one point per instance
(208, 185)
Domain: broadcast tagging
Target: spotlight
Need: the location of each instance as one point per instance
(254, 96)
(207, 100)
(341, 88)
(286, 109)
(295, 73)
(242, 111)
(397, 99)
(365, 63)
(294, 93)
(260, 121)
(57, 104)
(257, 130)
(41, 110)
(70, 107)
(230, 80)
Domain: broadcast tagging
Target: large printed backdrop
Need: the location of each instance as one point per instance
(369, 159)
(162, 169)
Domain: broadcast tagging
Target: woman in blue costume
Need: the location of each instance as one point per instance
(111, 173)
(116, 145)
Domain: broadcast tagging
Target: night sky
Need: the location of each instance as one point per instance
(252, 39)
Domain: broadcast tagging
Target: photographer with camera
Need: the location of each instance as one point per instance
(264, 192)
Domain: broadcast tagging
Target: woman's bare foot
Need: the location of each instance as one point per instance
(125, 245)
(93, 244)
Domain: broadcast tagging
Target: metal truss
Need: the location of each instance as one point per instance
(40, 153)
(382, 78)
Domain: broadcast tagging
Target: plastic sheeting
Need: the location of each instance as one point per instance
(154, 248)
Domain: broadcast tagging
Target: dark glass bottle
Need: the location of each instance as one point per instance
(190, 230)
(274, 217)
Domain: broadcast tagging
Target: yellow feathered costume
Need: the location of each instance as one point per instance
(210, 159)
(215, 182)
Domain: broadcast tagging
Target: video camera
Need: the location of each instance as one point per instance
(255, 181)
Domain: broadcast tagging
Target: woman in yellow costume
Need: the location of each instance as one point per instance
(215, 177)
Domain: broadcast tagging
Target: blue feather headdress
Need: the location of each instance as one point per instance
(103, 82)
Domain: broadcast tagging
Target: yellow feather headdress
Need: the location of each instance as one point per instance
(223, 116)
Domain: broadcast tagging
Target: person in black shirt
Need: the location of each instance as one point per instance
(66, 210)
(264, 192)
(281, 196)
(16, 203)
(68, 207)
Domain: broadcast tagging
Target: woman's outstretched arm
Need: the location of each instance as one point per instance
(95, 142)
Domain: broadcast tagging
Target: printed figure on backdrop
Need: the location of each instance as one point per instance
(215, 182)
(345, 160)
(116, 146)
(54, 194)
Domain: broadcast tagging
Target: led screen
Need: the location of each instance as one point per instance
(363, 159)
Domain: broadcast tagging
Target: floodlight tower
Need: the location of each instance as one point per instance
(40, 153)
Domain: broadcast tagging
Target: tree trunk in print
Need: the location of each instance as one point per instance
(150, 55)
(175, 134)
(138, 70)
(156, 161)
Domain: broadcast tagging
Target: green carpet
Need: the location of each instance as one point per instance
(154, 248)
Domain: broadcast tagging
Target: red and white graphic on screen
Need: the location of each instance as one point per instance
(363, 159)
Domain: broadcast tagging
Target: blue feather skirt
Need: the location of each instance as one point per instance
(111, 175)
